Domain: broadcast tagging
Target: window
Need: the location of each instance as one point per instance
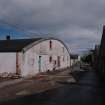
(63, 49)
(63, 58)
(50, 59)
(55, 62)
(50, 44)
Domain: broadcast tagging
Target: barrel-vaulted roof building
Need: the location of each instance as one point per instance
(27, 57)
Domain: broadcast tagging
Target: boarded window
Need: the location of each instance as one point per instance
(55, 62)
(50, 59)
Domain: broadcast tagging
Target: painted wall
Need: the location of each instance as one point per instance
(8, 62)
(37, 58)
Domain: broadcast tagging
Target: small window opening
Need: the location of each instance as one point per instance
(50, 59)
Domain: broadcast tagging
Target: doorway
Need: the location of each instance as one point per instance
(40, 60)
(58, 61)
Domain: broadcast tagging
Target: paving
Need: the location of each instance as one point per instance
(88, 90)
(4, 83)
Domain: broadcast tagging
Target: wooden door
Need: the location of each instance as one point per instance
(58, 60)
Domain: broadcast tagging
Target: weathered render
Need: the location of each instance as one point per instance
(27, 57)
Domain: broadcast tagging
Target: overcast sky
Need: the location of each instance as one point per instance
(77, 22)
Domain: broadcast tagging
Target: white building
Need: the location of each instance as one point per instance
(27, 57)
(74, 59)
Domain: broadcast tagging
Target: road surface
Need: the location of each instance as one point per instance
(89, 90)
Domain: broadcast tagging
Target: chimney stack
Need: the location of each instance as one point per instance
(8, 37)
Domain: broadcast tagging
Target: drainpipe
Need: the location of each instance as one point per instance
(17, 63)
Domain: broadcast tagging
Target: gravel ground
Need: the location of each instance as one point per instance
(18, 88)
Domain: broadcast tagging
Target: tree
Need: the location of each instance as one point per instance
(87, 58)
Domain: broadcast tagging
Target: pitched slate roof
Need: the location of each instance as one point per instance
(15, 45)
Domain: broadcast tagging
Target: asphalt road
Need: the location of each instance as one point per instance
(89, 90)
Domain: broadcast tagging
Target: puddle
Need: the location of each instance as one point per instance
(68, 81)
(22, 93)
(71, 80)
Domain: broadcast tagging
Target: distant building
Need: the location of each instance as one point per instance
(27, 57)
(74, 59)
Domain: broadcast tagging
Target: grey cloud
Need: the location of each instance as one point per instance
(74, 21)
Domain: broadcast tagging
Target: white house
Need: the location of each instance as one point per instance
(28, 57)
